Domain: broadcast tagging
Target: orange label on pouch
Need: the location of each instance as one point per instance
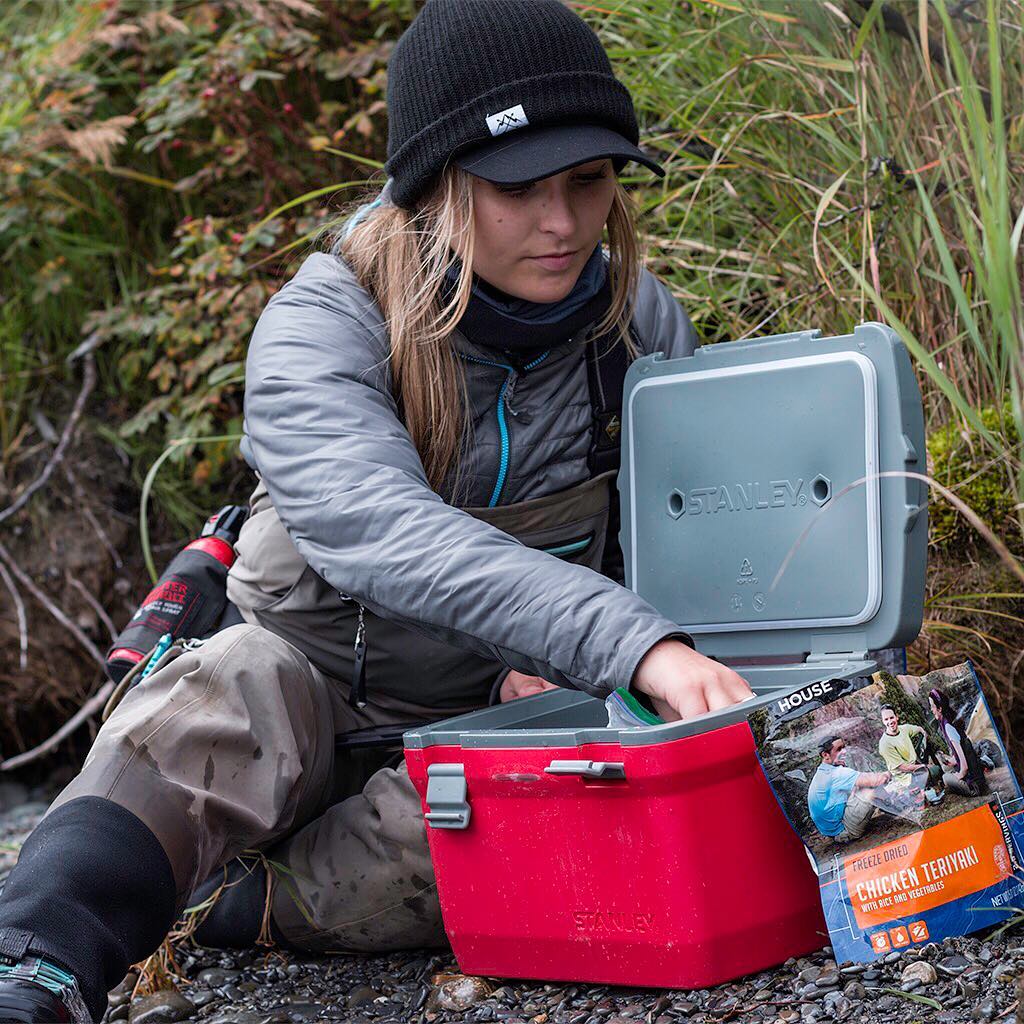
(929, 868)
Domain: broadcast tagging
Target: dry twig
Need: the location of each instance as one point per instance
(19, 607)
(93, 705)
(91, 601)
(93, 521)
(88, 383)
(29, 584)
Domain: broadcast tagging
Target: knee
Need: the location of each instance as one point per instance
(251, 652)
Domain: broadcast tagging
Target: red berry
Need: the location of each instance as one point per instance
(176, 143)
(209, 92)
(228, 150)
(236, 237)
(288, 108)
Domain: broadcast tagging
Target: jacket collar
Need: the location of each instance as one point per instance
(517, 331)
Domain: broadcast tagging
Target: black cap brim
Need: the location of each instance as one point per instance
(529, 154)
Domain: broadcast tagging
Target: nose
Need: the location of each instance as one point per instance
(557, 216)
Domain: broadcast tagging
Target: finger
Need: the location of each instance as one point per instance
(718, 696)
(738, 687)
(730, 685)
(729, 688)
(688, 701)
(664, 710)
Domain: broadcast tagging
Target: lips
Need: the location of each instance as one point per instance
(555, 262)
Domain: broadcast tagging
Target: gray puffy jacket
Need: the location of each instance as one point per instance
(322, 428)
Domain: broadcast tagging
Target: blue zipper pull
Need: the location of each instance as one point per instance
(162, 646)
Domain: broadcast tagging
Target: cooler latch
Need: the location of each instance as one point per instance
(588, 769)
(446, 796)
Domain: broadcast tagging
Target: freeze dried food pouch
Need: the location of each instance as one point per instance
(902, 792)
(626, 712)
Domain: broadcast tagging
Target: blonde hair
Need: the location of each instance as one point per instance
(401, 258)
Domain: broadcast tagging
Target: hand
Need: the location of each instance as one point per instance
(516, 685)
(682, 683)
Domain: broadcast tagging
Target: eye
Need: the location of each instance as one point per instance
(520, 190)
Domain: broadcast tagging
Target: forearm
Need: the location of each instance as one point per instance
(462, 582)
(868, 780)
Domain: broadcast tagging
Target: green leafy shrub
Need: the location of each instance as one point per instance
(960, 461)
(158, 164)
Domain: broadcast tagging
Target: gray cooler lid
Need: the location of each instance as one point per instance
(753, 512)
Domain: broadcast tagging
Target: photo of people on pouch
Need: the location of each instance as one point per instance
(893, 756)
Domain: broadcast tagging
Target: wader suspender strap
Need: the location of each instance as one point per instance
(606, 376)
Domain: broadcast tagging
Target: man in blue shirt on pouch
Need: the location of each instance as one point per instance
(839, 798)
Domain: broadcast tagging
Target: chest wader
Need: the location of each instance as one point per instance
(229, 744)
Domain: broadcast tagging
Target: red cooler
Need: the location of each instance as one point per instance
(763, 508)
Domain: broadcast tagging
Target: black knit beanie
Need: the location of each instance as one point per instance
(462, 62)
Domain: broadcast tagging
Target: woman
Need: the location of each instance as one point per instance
(965, 774)
(429, 527)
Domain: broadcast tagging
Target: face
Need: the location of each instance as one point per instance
(891, 721)
(838, 755)
(514, 225)
(936, 713)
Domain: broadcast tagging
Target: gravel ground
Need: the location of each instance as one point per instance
(966, 979)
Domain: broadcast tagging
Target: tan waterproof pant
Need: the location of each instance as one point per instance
(230, 746)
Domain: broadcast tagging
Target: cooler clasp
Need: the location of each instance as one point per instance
(446, 797)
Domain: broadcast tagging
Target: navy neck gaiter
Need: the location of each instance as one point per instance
(521, 329)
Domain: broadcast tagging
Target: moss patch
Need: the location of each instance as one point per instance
(963, 463)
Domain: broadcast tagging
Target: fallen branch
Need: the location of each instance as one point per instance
(87, 710)
(29, 584)
(19, 607)
(88, 383)
(91, 601)
(93, 704)
(93, 521)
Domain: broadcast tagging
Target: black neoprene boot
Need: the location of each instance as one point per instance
(235, 919)
(92, 893)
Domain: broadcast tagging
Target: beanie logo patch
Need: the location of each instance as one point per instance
(506, 120)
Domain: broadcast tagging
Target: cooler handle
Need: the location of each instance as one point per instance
(588, 769)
